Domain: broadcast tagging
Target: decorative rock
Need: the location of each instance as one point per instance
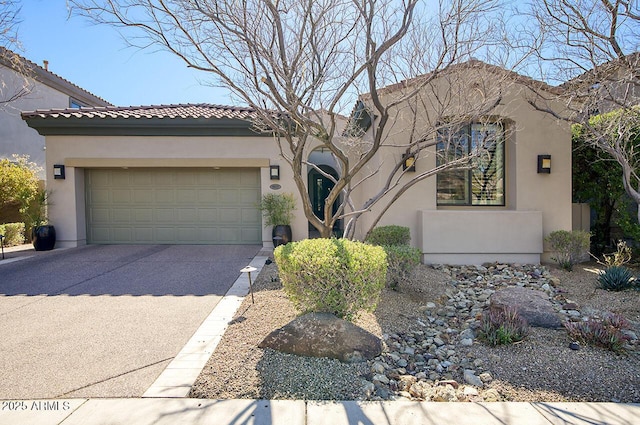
(451, 382)
(381, 379)
(420, 390)
(324, 335)
(470, 391)
(378, 367)
(406, 381)
(485, 377)
(471, 379)
(466, 342)
(492, 395)
(467, 333)
(368, 388)
(444, 394)
(533, 305)
(574, 345)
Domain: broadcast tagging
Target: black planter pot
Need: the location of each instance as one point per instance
(281, 235)
(43, 237)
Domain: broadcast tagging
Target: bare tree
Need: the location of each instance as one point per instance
(17, 85)
(593, 47)
(303, 64)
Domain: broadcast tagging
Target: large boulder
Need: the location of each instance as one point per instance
(531, 304)
(324, 335)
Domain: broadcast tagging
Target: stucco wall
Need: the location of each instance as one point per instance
(67, 211)
(15, 136)
(529, 133)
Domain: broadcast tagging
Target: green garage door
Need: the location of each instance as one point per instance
(173, 206)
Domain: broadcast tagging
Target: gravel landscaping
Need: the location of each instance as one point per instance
(431, 347)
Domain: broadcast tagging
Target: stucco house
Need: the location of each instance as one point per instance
(193, 174)
(25, 86)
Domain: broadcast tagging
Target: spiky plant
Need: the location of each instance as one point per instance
(502, 326)
(606, 333)
(617, 278)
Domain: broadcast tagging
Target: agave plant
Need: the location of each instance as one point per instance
(616, 278)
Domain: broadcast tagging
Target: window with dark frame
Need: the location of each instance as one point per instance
(482, 183)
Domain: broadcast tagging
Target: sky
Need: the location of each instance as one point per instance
(97, 59)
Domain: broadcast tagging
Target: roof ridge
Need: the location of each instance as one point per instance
(471, 63)
(40, 71)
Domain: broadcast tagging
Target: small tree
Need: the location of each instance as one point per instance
(592, 48)
(18, 85)
(303, 65)
(19, 183)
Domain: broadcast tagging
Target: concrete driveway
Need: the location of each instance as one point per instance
(105, 320)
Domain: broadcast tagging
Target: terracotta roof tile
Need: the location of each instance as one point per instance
(184, 111)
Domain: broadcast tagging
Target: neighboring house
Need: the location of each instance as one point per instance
(29, 87)
(194, 174)
(610, 86)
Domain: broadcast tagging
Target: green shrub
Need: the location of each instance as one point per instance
(502, 326)
(336, 276)
(13, 233)
(389, 235)
(277, 208)
(570, 247)
(606, 333)
(617, 278)
(401, 261)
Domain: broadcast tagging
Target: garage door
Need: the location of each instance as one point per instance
(173, 206)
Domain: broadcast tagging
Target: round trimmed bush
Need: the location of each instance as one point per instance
(336, 276)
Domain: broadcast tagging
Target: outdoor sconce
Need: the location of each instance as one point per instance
(58, 171)
(409, 163)
(544, 164)
(274, 172)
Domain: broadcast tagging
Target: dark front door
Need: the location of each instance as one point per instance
(319, 188)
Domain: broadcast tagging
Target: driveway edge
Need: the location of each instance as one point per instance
(179, 376)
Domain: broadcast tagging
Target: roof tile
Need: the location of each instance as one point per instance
(184, 111)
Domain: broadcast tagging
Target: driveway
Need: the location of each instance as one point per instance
(105, 320)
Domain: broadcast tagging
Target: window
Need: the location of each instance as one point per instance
(359, 122)
(483, 182)
(73, 103)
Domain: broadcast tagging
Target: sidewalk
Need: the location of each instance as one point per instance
(295, 412)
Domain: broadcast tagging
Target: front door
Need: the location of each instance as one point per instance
(319, 188)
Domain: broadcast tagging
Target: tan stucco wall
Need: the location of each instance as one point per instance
(16, 137)
(529, 133)
(67, 210)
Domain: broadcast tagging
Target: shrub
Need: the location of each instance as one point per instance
(606, 333)
(617, 278)
(13, 233)
(401, 261)
(570, 247)
(619, 258)
(389, 235)
(336, 276)
(18, 181)
(277, 208)
(502, 326)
